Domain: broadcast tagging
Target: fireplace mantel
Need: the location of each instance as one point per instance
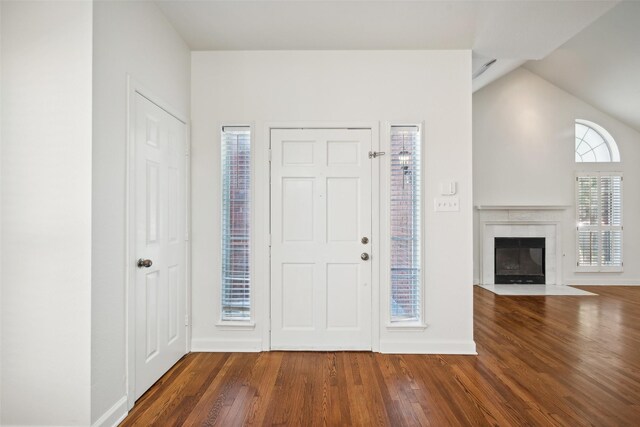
(521, 221)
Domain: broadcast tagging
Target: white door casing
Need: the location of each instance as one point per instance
(159, 217)
(321, 289)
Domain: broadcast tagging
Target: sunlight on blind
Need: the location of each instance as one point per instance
(236, 219)
(406, 265)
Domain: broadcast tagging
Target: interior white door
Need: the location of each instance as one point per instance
(320, 213)
(160, 215)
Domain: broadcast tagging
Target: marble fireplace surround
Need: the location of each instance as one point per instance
(521, 221)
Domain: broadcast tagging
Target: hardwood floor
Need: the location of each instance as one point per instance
(561, 360)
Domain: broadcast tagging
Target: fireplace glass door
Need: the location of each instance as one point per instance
(519, 260)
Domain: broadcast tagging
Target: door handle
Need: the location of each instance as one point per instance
(144, 263)
(364, 256)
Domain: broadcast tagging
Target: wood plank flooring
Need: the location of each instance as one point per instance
(544, 361)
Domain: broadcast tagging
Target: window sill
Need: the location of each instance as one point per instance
(599, 270)
(235, 325)
(406, 327)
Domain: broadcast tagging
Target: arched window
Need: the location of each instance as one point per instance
(598, 201)
(594, 144)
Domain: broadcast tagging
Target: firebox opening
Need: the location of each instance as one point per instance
(519, 260)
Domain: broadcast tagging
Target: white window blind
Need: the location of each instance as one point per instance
(599, 229)
(236, 220)
(406, 265)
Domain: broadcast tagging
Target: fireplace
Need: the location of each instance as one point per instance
(519, 260)
(539, 221)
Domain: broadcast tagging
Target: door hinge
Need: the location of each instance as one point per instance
(186, 320)
(374, 154)
(269, 155)
(269, 240)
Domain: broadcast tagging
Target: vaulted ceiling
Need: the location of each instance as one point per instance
(601, 65)
(505, 29)
(589, 48)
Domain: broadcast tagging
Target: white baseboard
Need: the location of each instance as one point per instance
(601, 282)
(225, 345)
(386, 346)
(114, 415)
(434, 347)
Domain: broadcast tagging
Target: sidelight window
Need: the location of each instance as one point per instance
(406, 261)
(236, 220)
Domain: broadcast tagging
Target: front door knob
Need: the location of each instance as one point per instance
(144, 263)
(364, 256)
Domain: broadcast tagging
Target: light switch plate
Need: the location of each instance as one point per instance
(448, 188)
(446, 204)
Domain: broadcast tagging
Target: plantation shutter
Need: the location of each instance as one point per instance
(406, 268)
(611, 220)
(599, 229)
(236, 220)
(588, 212)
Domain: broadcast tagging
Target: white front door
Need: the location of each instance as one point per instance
(320, 213)
(160, 215)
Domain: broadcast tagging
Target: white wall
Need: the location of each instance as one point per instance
(46, 212)
(523, 153)
(133, 38)
(0, 212)
(348, 86)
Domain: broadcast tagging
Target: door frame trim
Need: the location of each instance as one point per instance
(374, 127)
(135, 87)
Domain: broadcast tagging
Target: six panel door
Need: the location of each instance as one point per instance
(320, 211)
(160, 211)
